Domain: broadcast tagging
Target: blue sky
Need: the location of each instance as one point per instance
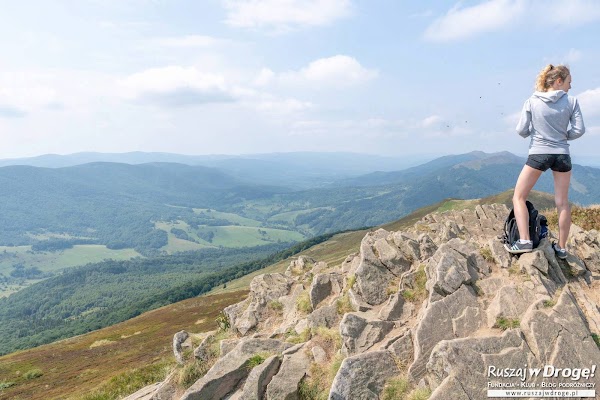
(254, 76)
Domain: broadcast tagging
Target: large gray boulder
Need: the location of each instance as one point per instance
(555, 272)
(534, 264)
(324, 285)
(258, 379)
(203, 351)
(363, 376)
(350, 264)
(360, 334)
(558, 337)
(499, 253)
(454, 263)
(229, 371)
(284, 385)
(326, 316)
(427, 247)
(380, 263)
(586, 246)
(408, 244)
(457, 369)
(511, 301)
(290, 313)
(299, 266)
(438, 323)
(247, 315)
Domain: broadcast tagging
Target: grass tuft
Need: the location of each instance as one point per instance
(487, 255)
(350, 281)
(33, 373)
(275, 305)
(295, 338)
(6, 385)
(130, 382)
(318, 384)
(506, 323)
(303, 303)
(418, 293)
(222, 321)
(596, 339)
(191, 372)
(549, 303)
(396, 388)
(419, 394)
(399, 388)
(256, 360)
(343, 305)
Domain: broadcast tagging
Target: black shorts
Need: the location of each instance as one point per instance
(556, 162)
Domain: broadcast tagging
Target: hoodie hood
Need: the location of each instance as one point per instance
(551, 96)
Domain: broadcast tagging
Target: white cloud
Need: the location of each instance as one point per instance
(283, 15)
(189, 41)
(337, 71)
(176, 86)
(264, 77)
(494, 15)
(431, 121)
(589, 102)
(24, 92)
(460, 23)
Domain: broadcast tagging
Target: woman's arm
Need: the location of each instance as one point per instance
(524, 125)
(577, 126)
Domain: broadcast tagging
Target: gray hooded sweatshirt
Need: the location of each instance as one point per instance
(546, 117)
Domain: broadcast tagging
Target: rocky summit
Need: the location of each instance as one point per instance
(439, 311)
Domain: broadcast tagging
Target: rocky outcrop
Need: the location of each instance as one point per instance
(229, 371)
(438, 304)
(326, 316)
(360, 334)
(178, 340)
(324, 285)
(448, 318)
(557, 337)
(586, 246)
(266, 288)
(285, 384)
(511, 301)
(381, 262)
(363, 376)
(256, 384)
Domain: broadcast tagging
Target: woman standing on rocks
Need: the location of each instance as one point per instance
(546, 117)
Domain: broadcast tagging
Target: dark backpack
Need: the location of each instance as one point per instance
(538, 226)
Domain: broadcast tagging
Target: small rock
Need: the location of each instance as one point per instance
(319, 354)
(178, 339)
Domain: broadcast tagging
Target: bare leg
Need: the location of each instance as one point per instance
(561, 197)
(525, 183)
